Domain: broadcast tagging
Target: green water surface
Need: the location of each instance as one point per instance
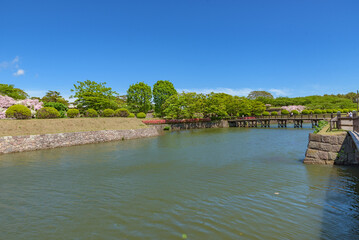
(198, 184)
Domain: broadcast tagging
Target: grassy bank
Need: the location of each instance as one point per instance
(62, 125)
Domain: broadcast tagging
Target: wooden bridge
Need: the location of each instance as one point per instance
(282, 121)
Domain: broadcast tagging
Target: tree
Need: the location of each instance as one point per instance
(216, 105)
(139, 97)
(255, 94)
(162, 90)
(184, 105)
(94, 95)
(54, 96)
(11, 91)
(257, 107)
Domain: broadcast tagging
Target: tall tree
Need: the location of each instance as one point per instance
(90, 94)
(54, 96)
(139, 97)
(162, 90)
(184, 105)
(11, 91)
(256, 94)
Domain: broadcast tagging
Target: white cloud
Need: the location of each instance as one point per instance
(19, 72)
(16, 59)
(10, 64)
(237, 92)
(280, 92)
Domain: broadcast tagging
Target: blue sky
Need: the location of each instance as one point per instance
(290, 48)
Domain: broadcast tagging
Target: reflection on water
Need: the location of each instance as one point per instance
(207, 184)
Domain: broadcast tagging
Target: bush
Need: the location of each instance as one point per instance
(91, 113)
(47, 112)
(18, 111)
(167, 128)
(284, 112)
(72, 113)
(346, 110)
(329, 110)
(122, 112)
(58, 106)
(295, 112)
(265, 113)
(305, 112)
(131, 115)
(108, 113)
(62, 108)
(141, 115)
(274, 113)
(324, 111)
(317, 111)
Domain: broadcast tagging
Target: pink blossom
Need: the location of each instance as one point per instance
(299, 108)
(6, 102)
(2, 115)
(33, 104)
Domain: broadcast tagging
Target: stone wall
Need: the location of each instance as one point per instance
(195, 125)
(356, 124)
(12, 144)
(331, 149)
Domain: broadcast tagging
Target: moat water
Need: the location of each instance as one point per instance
(197, 184)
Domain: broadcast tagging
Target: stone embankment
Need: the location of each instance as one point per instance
(332, 149)
(194, 125)
(11, 144)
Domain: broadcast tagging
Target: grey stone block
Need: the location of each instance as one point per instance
(323, 155)
(311, 153)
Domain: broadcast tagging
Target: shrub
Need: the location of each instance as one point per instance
(91, 113)
(324, 111)
(346, 110)
(18, 111)
(284, 112)
(122, 112)
(62, 108)
(141, 115)
(47, 112)
(317, 111)
(295, 112)
(58, 106)
(72, 113)
(305, 112)
(329, 110)
(274, 113)
(265, 113)
(108, 113)
(167, 128)
(131, 115)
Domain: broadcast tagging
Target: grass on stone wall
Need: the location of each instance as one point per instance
(62, 125)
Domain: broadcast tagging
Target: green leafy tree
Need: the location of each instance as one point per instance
(11, 91)
(162, 90)
(257, 107)
(54, 96)
(98, 96)
(216, 105)
(184, 105)
(139, 97)
(256, 94)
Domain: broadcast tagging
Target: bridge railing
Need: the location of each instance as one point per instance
(300, 116)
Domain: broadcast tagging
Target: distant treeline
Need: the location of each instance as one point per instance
(165, 101)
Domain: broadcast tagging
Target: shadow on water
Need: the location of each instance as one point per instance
(340, 206)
